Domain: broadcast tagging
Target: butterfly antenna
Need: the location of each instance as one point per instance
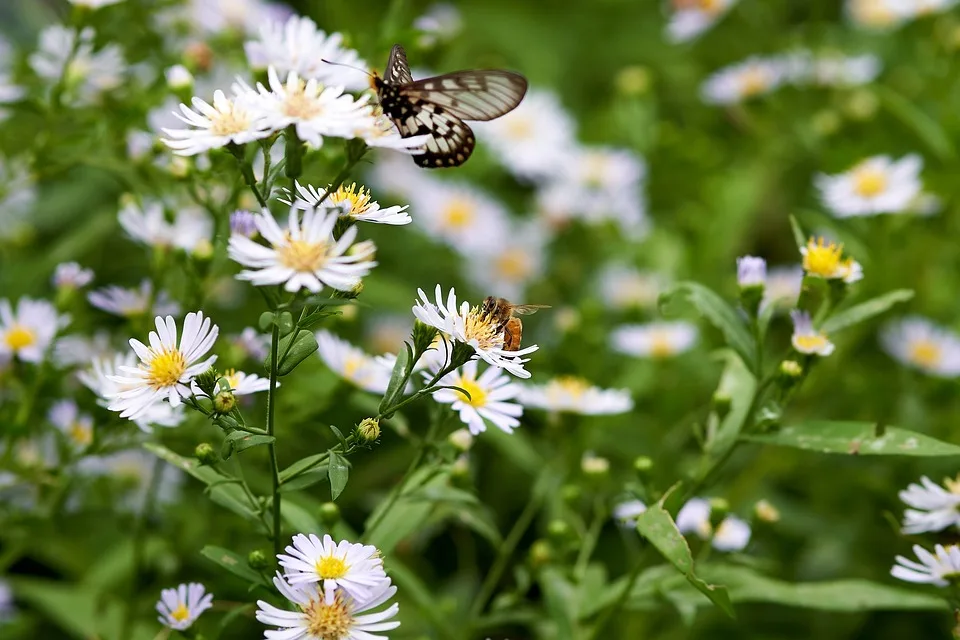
(350, 66)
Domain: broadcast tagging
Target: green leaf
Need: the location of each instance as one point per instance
(340, 438)
(656, 525)
(338, 472)
(926, 127)
(232, 562)
(419, 594)
(856, 438)
(562, 602)
(298, 347)
(299, 518)
(302, 465)
(241, 440)
(716, 310)
(799, 237)
(72, 608)
(865, 310)
(398, 379)
(305, 479)
(267, 318)
(739, 385)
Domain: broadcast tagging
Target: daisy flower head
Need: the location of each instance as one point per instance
(655, 339)
(314, 109)
(940, 568)
(626, 287)
(242, 384)
(460, 215)
(732, 534)
(212, 126)
(753, 77)
(305, 255)
(70, 275)
(806, 339)
(129, 303)
(626, 513)
(575, 395)
(933, 507)
(243, 223)
(492, 397)
(876, 185)
(298, 46)
(690, 19)
(65, 55)
(180, 607)
(345, 617)
(76, 427)
(533, 140)
(917, 342)
(355, 568)
(166, 368)
(823, 259)
(471, 326)
(515, 262)
(351, 202)
(440, 23)
(28, 331)
(131, 471)
(73, 350)
(217, 16)
(879, 14)
(352, 364)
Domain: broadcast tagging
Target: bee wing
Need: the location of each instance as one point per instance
(527, 309)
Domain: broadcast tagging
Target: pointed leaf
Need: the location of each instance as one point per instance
(865, 310)
(338, 472)
(720, 314)
(856, 438)
(398, 379)
(232, 562)
(241, 440)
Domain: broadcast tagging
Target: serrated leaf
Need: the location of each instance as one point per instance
(718, 313)
(855, 438)
(865, 310)
(232, 562)
(339, 472)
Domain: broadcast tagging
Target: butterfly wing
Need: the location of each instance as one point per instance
(397, 71)
(470, 95)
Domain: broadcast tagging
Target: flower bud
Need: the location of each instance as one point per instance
(766, 512)
(643, 464)
(207, 381)
(719, 508)
(205, 454)
(634, 80)
(826, 122)
(178, 78)
(258, 560)
(789, 373)
(460, 469)
(224, 402)
(559, 530)
(541, 553)
(243, 223)
(423, 336)
(721, 404)
(594, 465)
(198, 56)
(462, 439)
(329, 513)
(752, 279)
(862, 104)
(570, 493)
(369, 429)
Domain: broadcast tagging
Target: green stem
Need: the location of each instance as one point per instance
(137, 537)
(621, 600)
(590, 539)
(246, 170)
(271, 412)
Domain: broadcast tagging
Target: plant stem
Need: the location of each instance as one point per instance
(156, 474)
(271, 411)
(589, 542)
(613, 609)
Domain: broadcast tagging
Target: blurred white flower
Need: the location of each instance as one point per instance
(180, 607)
(887, 14)
(783, 285)
(354, 568)
(7, 608)
(73, 350)
(939, 568)
(934, 508)
(506, 270)
(243, 384)
(178, 77)
(806, 339)
(243, 223)
(351, 202)
(492, 397)
(234, 120)
(534, 140)
(88, 73)
(352, 364)
(876, 185)
(132, 470)
(822, 259)
(845, 71)
(216, 16)
(93, 4)
(733, 534)
(27, 332)
(626, 513)
(654, 339)
(751, 271)
(917, 342)
(166, 368)
(593, 465)
(460, 215)
(191, 229)
(575, 395)
(441, 22)
(305, 255)
(128, 303)
(753, 77)
(70, 275)
(76, 427)
(626, 287)
(690, 19)
(298, 46)
(251, 342)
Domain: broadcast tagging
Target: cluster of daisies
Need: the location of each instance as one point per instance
(933, 509)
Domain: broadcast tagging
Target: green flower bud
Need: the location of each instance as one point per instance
(329, 513)
(369, 429)
(206, 454)
(643, 464)
(258, 560)
(541, 553)
(224, 402)
(207, 381)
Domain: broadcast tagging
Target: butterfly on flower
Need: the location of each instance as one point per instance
(438, 106)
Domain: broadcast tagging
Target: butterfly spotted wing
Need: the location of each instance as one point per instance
(438, 106)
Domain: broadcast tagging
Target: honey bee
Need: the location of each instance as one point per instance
(503, 312)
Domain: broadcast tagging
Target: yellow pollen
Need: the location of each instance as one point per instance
(299, 105)
(458, 213)
(301, 255)
(821, 259)
(181, 613)
(19, 337)
(753, 81)
(810, 343)
(869, 182)
(231, 377)
(328, 622)
(229, 121)
(661, 346)
(81, 434)
(512, 265)
(482, 330)
(952, 485)
(478, 397)
(331, 567)
(595, 167)
(925, 353)
(166, 369)
(357, 198)
(519, 128)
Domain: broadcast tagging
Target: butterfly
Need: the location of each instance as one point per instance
(438, 106)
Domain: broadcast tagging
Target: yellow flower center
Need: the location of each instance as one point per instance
(810, 343)
(478, 397)
(512, 265)
(328, 622)
(299, 105)
(181, 613)
(821, 259)
(81, 434)
(357, 199)
(519, 128)
(331, 567)
(874, 13)
(753, 81)
(869, 182)
(709, 6)
(481, 329)
(952, 485)
(166, 369)
(661, 346)
(925, 353)
(595, 167)
(229, 121)
(570, 385)
(19, 337)
(458, 213)
(352, 366)
(301, 255)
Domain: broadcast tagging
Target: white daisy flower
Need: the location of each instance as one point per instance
(314, 109)
(252, 343)
(878, 14)
(298, 46)
(355, 568)
(689, 20)
(178, 77)
(379, 131)
(919, 343)
(228, 120)
(351, 202)
(626, 287)
(18, 193)
(471, 326)
(128, 303)
(751, 271)
(70, 275)
(576, 395)
(132, 472)
(533, 140)
(934, 508)
(940, 568)
(88, 73)
(243, 384)
(783, 285)
(100, 378)
(733, 534)
(441, 22)
(822, 259)
(191, 229)
(514, 263)
(27, 333)
(460, 215)
(845, 71)
(654, 339)
(753, 77)
(73, 350)
(318, 619)
(180, 607)
(876, 185)
(93, 4)
(806, 339)
(352, 364)
(76, 427)
(626, 513)
(492, 397)
(166, 369)
(218, 16)
(305, 255)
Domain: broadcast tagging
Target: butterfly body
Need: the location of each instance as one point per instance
(437, 107)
